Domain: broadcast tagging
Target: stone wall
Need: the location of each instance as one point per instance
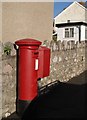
(8, 85)
(67, 61)
(0, 81)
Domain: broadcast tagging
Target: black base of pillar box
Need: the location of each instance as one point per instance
(21, 106)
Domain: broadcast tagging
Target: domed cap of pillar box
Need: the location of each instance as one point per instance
(28, 42)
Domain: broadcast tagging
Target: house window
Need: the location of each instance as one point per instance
(66, 32)
(69, 32)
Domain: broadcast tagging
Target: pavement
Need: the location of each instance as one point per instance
(63, 100)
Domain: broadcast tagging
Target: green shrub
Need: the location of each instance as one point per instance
(7, 50)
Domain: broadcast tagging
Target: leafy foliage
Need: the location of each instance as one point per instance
(7, 50)
(55, 37)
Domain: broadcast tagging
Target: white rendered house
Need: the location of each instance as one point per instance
(71, 23)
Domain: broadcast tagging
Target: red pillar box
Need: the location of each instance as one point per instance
(44, 62)
(27, 72)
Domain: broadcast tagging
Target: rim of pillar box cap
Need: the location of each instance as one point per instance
(28, 41)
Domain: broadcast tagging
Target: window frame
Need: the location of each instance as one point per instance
(69, 32)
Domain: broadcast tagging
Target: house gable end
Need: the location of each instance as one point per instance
(75, 13)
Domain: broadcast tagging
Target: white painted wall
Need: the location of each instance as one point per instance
(82, 33)
(61, 34)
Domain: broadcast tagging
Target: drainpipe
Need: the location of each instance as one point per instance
(79, 33)
(79, 29)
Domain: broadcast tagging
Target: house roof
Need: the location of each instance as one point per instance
(75, 2)
(71, 24)
(82, 3)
